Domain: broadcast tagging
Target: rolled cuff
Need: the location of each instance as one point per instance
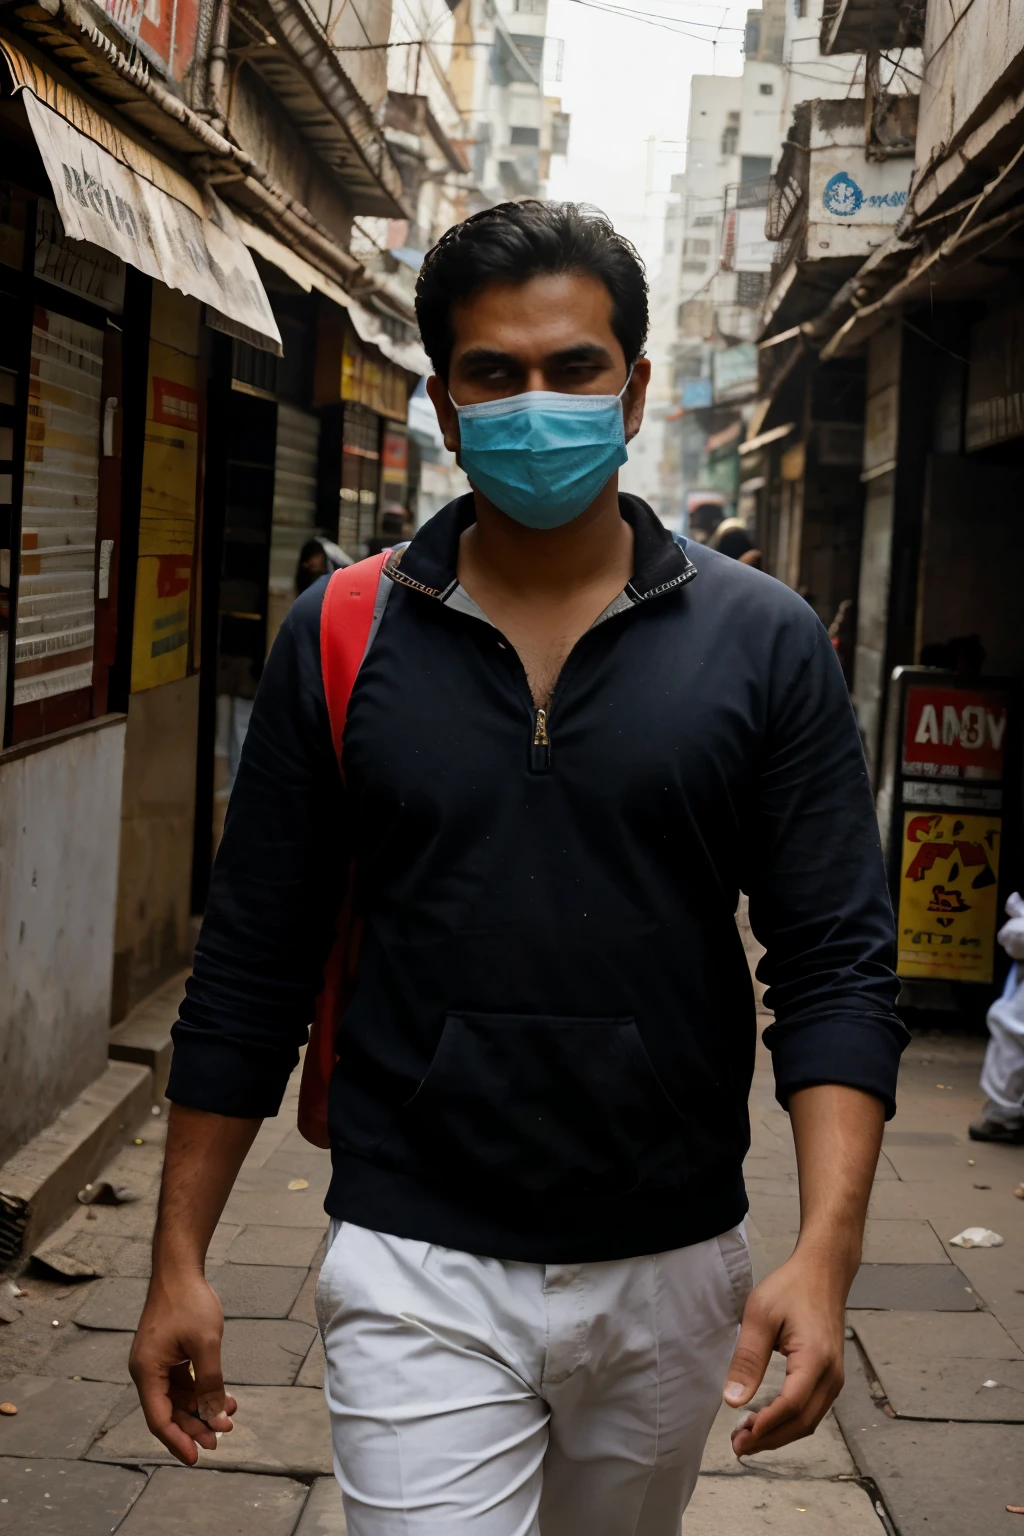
(854, 1049)
(224, 1077)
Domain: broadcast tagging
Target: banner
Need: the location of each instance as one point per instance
(948, 896)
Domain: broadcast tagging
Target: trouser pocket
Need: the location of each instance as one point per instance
(735, 1256)
(549, 1106)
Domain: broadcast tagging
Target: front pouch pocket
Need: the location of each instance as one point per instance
(545, 1106)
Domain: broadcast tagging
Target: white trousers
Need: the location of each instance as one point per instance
(1002, 1076)
(508, 1399)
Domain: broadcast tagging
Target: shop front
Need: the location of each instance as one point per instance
(109, 260)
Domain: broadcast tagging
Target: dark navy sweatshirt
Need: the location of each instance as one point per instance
(550, 1042)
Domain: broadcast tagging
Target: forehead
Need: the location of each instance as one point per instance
(547, 313)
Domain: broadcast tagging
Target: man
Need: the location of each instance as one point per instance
(569, 748)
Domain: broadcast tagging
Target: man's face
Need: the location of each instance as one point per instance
(552, 333)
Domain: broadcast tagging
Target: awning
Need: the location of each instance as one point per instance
(752, 444)
(405, 354)
(112, 191)
(302, 272)
(723, 439)
(368, 326)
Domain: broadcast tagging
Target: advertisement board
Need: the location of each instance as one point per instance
(948, 898)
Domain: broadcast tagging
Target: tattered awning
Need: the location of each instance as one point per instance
(763, 439)
(115, 193)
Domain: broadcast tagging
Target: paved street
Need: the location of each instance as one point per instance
(927, 1438)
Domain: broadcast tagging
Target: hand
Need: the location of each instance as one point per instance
(800, 1310)
(182, 1322)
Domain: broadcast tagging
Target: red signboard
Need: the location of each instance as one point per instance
(954, 733)
(166, 27)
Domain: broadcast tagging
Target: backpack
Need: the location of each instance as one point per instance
(352, 610)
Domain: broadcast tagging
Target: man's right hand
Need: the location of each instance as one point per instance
(175, 1364)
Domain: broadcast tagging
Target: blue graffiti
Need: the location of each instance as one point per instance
(842, 196)
(887, 200)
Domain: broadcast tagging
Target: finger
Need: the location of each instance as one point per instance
(810, 1386)
(211, 1398)
(154, 1395)
(188, 1422)
(750, 1358)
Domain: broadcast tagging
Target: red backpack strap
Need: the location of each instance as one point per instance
(347, 617)
(346, 624)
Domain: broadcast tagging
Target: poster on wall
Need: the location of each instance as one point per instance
(167, 528)
(955, 733)
(948, 895)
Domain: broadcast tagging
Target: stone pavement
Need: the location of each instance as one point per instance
(920, 1443)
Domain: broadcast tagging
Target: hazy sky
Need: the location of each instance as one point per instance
(623, 81)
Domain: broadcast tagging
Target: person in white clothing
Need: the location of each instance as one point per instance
(1002, 1075)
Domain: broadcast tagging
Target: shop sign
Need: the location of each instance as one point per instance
(110, 191)
(166, 29)
(697, 395)
(754, 251)
(394, 457)
(735, 371)
(948, 896)
(954, 733)
(167, 527)
(372, 381)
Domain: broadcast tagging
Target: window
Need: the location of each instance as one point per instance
(697, 247)
(694, 266)
(766, 88)
(730, 139)
(532, 50)
(703, 220)
(524, 136)
(531, 7)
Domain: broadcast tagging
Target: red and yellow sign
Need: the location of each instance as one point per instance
(955, 733)
(948, 903)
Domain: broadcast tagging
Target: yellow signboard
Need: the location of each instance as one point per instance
(167, 527)
(948, 904)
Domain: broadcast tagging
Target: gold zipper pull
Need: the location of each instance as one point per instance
(540, 751)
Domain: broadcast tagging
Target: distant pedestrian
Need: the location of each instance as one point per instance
(1002, 1076)
(318, 557)
(702, 520)
(570, 746)
(732, 538)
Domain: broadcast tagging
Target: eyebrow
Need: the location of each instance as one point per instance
(585, 352)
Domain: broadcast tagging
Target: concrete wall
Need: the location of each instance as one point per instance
(973, 56)
(59, 832)
(158, 811)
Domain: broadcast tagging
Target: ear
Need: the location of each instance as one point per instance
(634, 398)
(447, 415)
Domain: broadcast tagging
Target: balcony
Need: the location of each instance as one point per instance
(863, 26)
(829, 208)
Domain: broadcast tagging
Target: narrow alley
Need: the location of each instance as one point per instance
(926, 1439)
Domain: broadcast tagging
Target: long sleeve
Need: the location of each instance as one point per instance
(819, 902)
(277, 885)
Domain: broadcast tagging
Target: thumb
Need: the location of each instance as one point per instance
(750, 1359)
(211, 1398)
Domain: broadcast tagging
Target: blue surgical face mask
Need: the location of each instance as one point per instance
(542, 457)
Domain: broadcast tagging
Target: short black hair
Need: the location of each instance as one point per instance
(513, 242)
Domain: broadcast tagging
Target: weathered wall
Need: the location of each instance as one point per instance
(972, 52)
(158, 811)
(59, 830)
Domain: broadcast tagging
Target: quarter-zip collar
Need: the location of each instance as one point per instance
(429, 563)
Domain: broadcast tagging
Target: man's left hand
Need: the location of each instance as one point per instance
(798, 1310)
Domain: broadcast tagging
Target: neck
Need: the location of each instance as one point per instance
(594, 546)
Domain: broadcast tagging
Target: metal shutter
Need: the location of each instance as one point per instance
(56, 588)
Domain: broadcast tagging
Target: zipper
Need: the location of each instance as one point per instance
(540, 748)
